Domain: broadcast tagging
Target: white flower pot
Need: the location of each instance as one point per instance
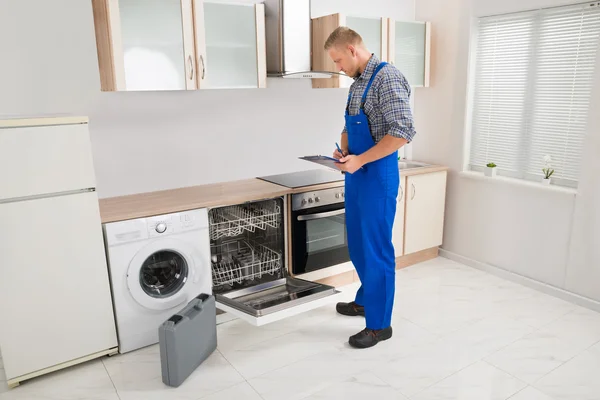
(546, 181)
(491, 172)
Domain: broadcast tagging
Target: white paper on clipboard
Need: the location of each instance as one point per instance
(328, 162)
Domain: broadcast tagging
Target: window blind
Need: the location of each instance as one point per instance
(533, 82)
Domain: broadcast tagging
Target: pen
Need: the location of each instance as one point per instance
(340, 150)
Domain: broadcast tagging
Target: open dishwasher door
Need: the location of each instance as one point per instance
(250, 279)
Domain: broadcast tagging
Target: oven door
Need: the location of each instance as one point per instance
(319, 238)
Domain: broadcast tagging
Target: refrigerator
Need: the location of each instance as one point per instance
(55, 299)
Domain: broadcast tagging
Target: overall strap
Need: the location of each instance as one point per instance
(348, 102)
(364, 96)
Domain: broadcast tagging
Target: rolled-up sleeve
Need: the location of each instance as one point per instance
(394, 102)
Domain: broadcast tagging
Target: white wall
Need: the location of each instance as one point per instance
(524, 228)
(151, 141)
(583, 268)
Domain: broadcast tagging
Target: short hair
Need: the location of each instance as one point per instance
(343, 36)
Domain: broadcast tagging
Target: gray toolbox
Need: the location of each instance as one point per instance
(187, 339)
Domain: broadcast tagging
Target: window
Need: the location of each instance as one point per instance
(533, 82)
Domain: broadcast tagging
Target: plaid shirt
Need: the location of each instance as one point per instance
(387, 104)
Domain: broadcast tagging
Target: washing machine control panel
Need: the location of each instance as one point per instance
(157, 226)
(172, 223)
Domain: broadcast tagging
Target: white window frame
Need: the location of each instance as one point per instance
(522, 174)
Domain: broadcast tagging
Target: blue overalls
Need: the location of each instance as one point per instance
(371, 194)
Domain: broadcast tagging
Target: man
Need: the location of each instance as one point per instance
(378, 123)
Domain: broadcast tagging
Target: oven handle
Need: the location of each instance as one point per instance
(321, 215)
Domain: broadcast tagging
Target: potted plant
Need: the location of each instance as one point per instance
(547, 170)
(490, 169)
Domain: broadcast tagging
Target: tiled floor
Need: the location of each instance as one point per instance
(459, 334)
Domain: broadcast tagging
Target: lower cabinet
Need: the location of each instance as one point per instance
(425, 197)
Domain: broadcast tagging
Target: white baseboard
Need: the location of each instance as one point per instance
(525, 281)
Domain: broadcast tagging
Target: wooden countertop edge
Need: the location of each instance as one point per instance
(168, 201)
(42, 121)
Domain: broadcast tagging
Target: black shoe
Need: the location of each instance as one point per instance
(351, 309)
(369, 337)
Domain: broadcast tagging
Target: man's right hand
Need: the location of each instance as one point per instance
(337, 155)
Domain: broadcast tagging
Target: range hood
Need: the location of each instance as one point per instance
(288, 37)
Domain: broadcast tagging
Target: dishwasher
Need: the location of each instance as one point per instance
(249, 270)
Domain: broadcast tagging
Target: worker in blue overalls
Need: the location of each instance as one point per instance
(378, 123)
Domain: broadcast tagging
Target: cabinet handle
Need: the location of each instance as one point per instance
(203, 70)
(401, 194)
(191, 67)
(414, 191)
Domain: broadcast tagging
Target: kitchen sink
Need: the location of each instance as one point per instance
(412, 165)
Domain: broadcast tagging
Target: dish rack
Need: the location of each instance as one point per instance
(238, 261)
(234, 220)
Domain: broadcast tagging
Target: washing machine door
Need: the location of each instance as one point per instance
(160, 274)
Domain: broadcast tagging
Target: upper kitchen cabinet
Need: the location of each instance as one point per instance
(145, 44)
(152, 45)
(409, 50)
(374, 32)
(235, 45)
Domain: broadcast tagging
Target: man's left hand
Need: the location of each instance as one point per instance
(350, 163)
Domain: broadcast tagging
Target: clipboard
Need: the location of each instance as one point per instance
(328, 162)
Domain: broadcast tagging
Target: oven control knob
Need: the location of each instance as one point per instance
(161, 227)
(317, 199)
(342, 194)
(303, 202)
(310, 200)
(337, 195)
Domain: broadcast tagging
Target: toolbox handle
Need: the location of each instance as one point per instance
(192, 309)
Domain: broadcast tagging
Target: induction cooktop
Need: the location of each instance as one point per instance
(300, 179)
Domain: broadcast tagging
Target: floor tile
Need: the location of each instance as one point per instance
(406, 336)
(306, 377)
(87, 381)
(535, 355)
(240, 391)
(580, 325)
(488, 335)
(530, 393)
(272, 354)
(577, 379)
(424, 366)
(359, 387)
(479, 381)
(441, 316)
(3, 385)
(536, 311)
(137, 376)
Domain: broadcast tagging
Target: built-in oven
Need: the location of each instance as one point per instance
(318, 230)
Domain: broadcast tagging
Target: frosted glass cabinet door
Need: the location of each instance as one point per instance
(409, 50)
(152, 36)
(145, 44)
(371, 31)
(235, 45)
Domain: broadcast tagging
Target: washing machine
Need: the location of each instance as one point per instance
(156, 266)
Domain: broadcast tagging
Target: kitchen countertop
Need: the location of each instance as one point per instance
(405, 172)
(211, 195)
(187, 198)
